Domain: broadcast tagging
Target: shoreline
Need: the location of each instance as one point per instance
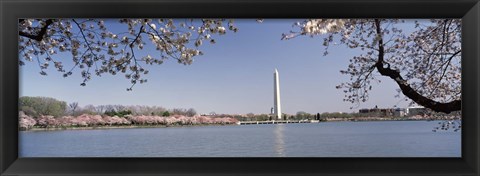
(118, 127)
(188, 126)
(349, 120)
(88, 122)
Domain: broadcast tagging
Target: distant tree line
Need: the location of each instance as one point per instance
(253, 117)
(37, 106)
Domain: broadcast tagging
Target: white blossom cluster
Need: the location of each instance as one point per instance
(428, 59)
(97, 49)
(322, 26)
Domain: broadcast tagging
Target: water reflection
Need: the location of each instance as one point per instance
(279, 140)
(336, 139)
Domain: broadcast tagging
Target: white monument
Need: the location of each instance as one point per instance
(277, 109)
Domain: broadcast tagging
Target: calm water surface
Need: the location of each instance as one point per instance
(331, 139)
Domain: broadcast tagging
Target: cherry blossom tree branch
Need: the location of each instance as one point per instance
(38, 36)
(444, 70)
(90, 42)
(406, 89)
(84, 37)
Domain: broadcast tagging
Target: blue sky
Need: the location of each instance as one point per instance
(234, 76)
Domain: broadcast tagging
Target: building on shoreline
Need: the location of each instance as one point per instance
(397, 112)
(416, 110)
(378, 111)
(400, 112)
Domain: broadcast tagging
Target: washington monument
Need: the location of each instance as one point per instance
(277, 108)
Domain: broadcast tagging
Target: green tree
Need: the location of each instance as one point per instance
(166, 114)
(110, 113)
(42, 106)
(302, 115)
(121, 113)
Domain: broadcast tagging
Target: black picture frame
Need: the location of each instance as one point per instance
(11, 11)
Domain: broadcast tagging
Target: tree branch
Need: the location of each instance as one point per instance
(408, 91)
(40, 35)
(446, 64)
(84, 37)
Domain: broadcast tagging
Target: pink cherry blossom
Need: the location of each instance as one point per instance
(86, 120)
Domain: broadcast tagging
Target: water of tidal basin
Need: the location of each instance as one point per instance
(331, 139)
